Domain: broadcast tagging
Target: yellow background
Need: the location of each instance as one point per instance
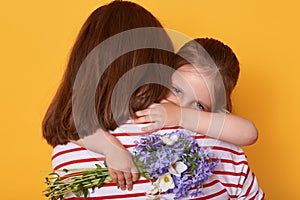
(36, 37)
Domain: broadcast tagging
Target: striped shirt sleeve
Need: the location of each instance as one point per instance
(250, 188)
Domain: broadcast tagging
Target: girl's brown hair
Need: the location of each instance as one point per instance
(223, 57)
(58, 125)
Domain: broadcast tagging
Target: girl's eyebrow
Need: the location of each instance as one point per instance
(177, 87)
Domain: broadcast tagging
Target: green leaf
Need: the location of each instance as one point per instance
(102, 180)
(85, 193)
(77, 194)
(107, 179)
(98, 166)
(54, 174)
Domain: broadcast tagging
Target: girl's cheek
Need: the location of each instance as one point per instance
(172, 98)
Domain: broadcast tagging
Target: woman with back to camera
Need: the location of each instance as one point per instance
(59, 125)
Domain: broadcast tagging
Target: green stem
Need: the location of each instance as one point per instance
(88, 175)
(81, 170)
(69, 187)
(66, 190)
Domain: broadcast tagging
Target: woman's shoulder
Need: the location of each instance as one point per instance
(63, 147)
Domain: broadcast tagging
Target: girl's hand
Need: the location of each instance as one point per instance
(121, 167)
(160, 115)
(119, 161)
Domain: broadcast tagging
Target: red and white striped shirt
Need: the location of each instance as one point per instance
(233, 178)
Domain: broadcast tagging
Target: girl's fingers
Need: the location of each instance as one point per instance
(143, 119)
(128, 179)
(124, 179)
(164, 101)
(113, 175)
(135, 176)
(121, 180)
(153, 105)
(142, 112)
(151, 110)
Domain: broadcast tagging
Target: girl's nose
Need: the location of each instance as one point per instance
(183, 103)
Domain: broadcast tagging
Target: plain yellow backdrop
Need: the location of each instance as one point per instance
(36, 37)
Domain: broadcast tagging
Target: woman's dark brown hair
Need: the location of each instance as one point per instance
(59, 125)
(223, 57)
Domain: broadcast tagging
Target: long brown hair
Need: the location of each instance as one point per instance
(222, 55)
(58, 125)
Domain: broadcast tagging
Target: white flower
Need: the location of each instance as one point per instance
(165, 182)
(152, 193)
(162, 184)
(169, 140)
(177, 168)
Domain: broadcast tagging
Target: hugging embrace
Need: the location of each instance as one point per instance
(124, 80)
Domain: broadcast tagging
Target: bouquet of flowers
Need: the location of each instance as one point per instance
(173, 162)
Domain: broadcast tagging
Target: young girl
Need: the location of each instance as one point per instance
(187, 108)
(233, 178)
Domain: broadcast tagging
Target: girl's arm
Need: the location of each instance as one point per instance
(120, 163)
(227, 127)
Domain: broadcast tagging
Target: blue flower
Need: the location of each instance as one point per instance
(157, 152)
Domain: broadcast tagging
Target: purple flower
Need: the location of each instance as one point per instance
(157, 153)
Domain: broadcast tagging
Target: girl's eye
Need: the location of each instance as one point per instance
(199, 105)
(176, 91)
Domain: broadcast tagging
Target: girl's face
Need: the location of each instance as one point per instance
(189, 89)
